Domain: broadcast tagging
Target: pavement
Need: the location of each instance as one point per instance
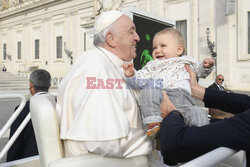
(6, 109)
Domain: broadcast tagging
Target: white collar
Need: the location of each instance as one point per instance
(39, 93)
(113, 58)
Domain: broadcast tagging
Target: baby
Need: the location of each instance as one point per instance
(168, 65)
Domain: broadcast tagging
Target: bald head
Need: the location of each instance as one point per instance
(219, 79)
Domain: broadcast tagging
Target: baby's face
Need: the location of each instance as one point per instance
(165, 46)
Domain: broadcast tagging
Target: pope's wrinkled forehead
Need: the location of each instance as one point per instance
(106, 19)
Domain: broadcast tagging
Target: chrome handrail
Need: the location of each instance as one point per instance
(11, 120)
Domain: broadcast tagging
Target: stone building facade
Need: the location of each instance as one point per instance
(51, 34)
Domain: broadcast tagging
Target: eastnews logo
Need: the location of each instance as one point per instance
(132, 83)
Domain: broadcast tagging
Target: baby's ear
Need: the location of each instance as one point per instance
(180, 50)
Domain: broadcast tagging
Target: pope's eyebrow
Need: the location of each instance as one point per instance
(132, 28)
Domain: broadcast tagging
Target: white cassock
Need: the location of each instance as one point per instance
(100, 120)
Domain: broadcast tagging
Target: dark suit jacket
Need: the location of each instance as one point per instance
(180, 143)
(25, 145)
(214, 86)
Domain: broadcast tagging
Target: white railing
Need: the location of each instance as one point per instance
(212, 158)
(11, 120)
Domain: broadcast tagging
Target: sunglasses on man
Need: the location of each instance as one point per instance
(220, 79)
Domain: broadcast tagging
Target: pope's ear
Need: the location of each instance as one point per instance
(110, 39)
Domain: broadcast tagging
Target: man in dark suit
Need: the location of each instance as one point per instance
(180, 143)
(25, 145)
(217, 85)
(217, 114)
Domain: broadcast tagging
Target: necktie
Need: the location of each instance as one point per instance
(221, 88)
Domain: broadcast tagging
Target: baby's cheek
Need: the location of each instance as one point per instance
(153, 54)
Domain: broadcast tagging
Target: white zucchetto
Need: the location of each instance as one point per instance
(106, 19)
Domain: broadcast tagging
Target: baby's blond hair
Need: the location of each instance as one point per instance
(175, 33)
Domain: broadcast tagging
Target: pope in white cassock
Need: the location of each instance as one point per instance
(97, 112)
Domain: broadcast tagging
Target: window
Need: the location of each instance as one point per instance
(4, 51)
(248, 33)
(37, 49)
(181, 25)
(59, 47)
(18, 50)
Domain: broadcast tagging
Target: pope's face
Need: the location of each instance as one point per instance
(126, 38)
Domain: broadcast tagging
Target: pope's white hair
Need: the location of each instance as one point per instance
(100, 38)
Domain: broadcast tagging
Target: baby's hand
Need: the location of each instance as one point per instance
(129, 69)
(208, 63)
